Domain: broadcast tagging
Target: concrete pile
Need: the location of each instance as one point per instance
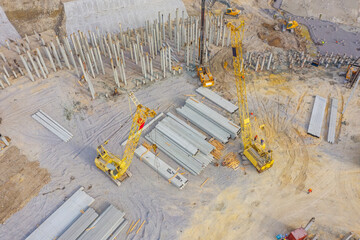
(156, 40)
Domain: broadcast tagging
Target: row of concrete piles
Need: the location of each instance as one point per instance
(300, 59)
(84, 53)
(268, 61)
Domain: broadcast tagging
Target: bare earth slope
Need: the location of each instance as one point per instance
(38, 15)
(20, 181)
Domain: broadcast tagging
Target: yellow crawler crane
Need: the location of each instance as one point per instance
(114, 166)
(253, 151)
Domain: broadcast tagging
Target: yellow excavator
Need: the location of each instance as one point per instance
(290, 25)
(114, 166)
(204, 74)
(233, 12)
(253, 151)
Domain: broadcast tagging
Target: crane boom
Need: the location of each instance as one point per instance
(237, 34)
(115, 166)
(261, 159)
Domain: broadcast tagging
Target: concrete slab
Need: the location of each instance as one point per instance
(317, 116)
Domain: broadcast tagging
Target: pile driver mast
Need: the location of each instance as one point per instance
(113, 165)
(261, 159)
(204, 73)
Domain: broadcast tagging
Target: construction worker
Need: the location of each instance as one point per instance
(116, 92)
(82, 79)
(262, 143)
(309, 191)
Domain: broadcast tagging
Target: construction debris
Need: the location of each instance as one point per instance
(207, 179)
(140, 227)
(217, 152)
(231, 161)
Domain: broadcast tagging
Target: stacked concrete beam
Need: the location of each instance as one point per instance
(162, 168)
(213, 116)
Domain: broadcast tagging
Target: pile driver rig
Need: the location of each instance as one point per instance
(253, 151)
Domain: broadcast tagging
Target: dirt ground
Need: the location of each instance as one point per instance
(20, 181)
(344, 12)
(232, 205)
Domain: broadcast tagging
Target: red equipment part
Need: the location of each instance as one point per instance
(298, 234)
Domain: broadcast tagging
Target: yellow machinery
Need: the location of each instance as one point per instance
(352, 73)
(291, 24)
(205, 76)
(253, 151)
(203, 73)
(232, 12)
(113, 165)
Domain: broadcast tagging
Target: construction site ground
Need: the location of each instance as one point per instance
(231, 205)
(255, 206)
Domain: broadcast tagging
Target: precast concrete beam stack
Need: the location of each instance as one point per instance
(184, 146)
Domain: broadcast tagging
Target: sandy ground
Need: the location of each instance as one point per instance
(20, 181)
(231, 203)
(252, 205)
(276, 201)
